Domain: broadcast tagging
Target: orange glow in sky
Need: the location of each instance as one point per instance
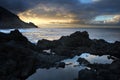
(43, 21)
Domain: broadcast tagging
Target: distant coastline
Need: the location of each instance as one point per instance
(9, 20)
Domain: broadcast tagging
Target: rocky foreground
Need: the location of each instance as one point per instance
(19, 58)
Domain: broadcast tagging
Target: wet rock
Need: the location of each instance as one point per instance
(115, 66)
(47, 61)
(83, 61)
(60, 64)
(87, 75)
(102, 71)
(97, 66)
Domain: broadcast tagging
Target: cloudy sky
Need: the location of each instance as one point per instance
(90, 12)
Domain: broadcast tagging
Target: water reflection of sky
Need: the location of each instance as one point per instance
(70, 72)
(96, 59)
(67, 73)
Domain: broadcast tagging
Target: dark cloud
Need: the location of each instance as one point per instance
(22, 5)
(108, 6)
(82, 12)
(72, 5)
(14, 5)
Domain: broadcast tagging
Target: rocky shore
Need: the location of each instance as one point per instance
(101, 72)
(78, 43)
(19, 58)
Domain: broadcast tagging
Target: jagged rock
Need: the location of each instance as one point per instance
(83, 61)
(101, 71)
(13, 35)
(78, 43)
(16, 37)
(66, 45)
(76, 39)
(19, 58)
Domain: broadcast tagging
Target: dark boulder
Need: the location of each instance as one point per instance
(63, 51)
(87, 75)
(104, 71)
(115, 66)
(76, 39)
(13, 35)
(114, 50)
(99, 47)
(67, 45)
(16, 63)
(60, 64)
(83, 61)
(96, 66)
(46, 44)
(17, 37)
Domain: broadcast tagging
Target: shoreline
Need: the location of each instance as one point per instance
(20, 58)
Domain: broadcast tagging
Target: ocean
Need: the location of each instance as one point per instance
(35, 34)
(70, 72)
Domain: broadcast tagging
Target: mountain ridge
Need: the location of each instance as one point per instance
(10, 20)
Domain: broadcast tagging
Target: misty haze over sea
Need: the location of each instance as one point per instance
(35, 34)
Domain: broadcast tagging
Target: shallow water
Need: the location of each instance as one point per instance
(67, 73)
(70, 72)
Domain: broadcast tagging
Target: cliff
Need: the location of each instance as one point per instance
(9, 20)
